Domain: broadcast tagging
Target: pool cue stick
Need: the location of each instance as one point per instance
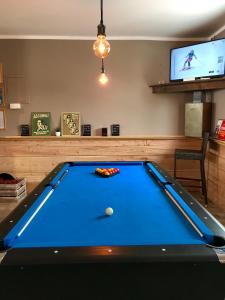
(175, 202)
(42, 203)
(184, 213)
(60, 179)
(2, 255)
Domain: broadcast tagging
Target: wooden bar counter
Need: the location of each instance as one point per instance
(216, 173)
(34, 157)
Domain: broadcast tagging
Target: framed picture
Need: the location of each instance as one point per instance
(41, 123)
(70, 123)
(2, 119)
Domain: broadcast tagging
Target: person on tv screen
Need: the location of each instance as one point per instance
(188, 60)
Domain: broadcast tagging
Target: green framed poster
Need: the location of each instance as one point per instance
(41, 123)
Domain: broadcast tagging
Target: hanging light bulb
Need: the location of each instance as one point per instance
(101, 46)
(103, 79)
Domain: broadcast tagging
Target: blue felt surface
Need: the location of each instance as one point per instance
(74, 214)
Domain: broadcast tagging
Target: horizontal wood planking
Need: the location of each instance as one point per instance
(94, 147)
(216, 173)
(34, 158)
(42, 164)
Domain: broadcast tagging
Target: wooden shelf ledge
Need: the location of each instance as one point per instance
(189, 86)
(67, 138)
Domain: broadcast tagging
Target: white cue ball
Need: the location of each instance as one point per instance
(109, 211)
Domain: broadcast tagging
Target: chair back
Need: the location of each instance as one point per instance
(204, 143)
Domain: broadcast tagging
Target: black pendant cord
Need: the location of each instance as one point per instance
(101, 21)
(103, 68)
(101, 26)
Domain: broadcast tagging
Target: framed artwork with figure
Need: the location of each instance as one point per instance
(41, 123)
(70, 123)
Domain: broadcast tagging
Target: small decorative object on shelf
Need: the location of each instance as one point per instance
(24, 130)
(115, 129)
(86, 129)
(104, 131)
(70, 123)
(220, 130)
(57, 132)
(41, 123)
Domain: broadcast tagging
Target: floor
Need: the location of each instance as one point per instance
(6, 208)
(214, 210)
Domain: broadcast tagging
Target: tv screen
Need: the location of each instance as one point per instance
(198, 61)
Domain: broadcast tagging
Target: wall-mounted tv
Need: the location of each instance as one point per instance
(198, 61)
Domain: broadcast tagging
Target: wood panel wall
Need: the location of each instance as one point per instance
(35, 157)
(216, 173)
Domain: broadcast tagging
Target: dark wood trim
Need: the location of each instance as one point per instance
(98, 138)
(189, 86)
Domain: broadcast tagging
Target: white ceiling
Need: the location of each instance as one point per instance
(124, 19)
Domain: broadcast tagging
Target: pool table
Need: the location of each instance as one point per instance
(159, 242)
